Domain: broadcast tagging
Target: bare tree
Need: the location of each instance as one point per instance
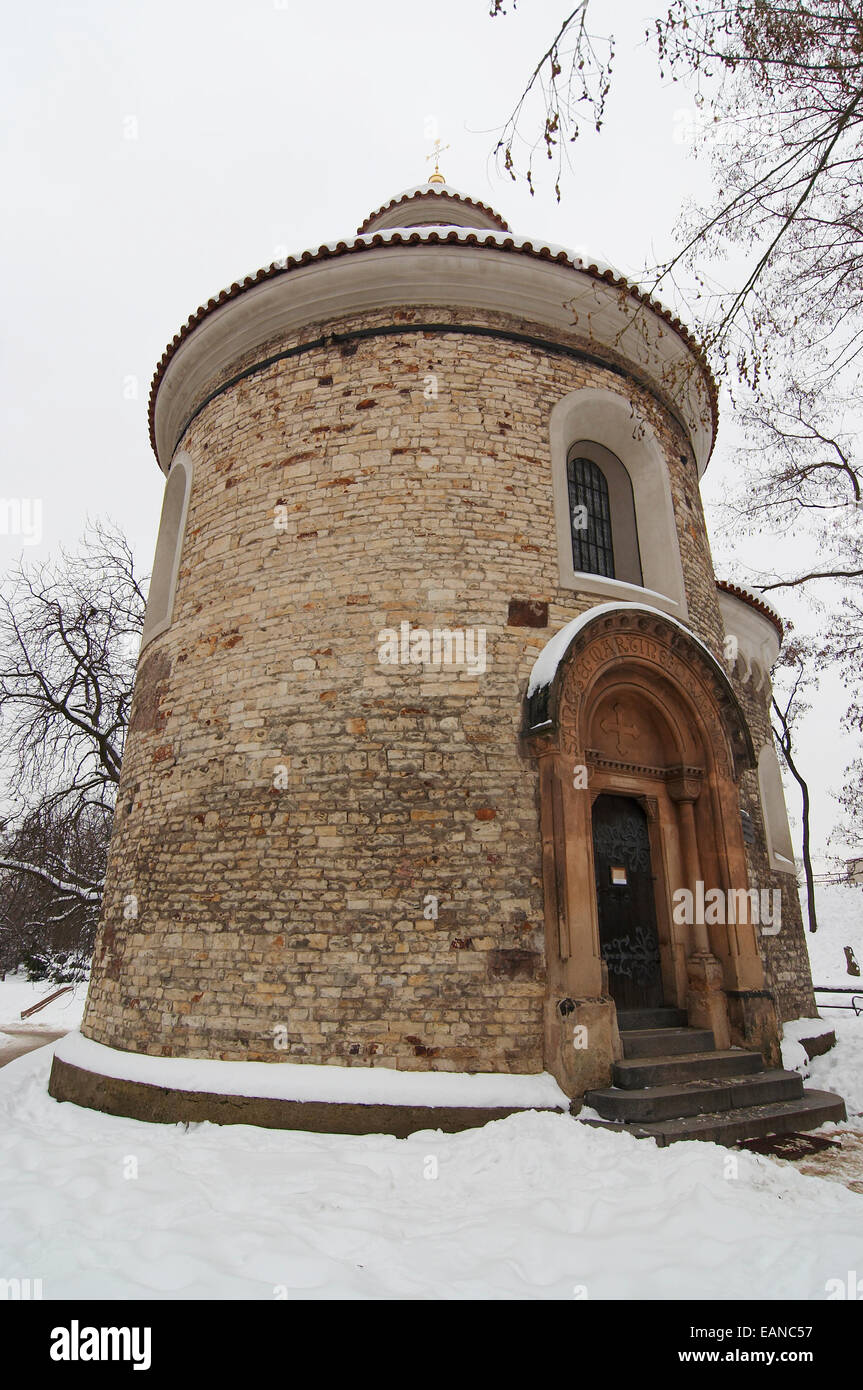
(851, 800)
(69, 637)
(788, 708)
(802, 481)
(574, 70)
(53, 865)
(780, 87)
(778, 93)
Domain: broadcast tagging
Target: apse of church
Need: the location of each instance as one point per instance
(439, 706)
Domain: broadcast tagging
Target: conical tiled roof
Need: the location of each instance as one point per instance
(433, 204)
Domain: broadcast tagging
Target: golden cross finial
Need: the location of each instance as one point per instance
(437, 176)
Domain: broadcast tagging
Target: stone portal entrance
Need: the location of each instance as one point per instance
(641, 743)
(628, 938)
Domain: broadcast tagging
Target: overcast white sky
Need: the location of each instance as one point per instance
(155, 152)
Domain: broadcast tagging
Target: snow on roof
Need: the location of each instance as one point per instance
(438, 190)
(546, 665)
(330, 1085)
(727, 586)
(440, 234)
(487, 236)
(445, 189)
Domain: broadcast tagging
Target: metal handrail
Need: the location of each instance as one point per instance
(842, 989)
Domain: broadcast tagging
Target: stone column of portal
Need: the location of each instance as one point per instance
(581, 1038)
(706, 1004)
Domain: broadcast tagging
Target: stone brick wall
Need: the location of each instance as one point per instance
(295, 920)
(786, 960)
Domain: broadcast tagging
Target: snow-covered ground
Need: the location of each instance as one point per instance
(535, 1206)
(841, 1069)
(840, 923)
(17, 993)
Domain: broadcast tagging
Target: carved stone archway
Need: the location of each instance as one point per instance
(636, 706)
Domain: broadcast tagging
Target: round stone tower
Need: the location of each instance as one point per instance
(433, 649)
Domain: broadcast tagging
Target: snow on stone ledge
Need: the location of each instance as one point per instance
(795, 1034)
(800, 1028)
(794, 1054)
(795, 1057)
(329, 1085)
(545, 667)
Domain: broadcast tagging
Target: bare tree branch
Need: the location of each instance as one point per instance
(69, 635)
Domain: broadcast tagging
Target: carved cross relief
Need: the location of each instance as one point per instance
(624, 732)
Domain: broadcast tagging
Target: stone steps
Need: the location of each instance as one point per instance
(674, 1084)
(666, 1042)
(695, 1097)
(812, 1109)
(630, 1019)
(636, 1072)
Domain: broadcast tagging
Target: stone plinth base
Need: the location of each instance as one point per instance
(165, 1105)
(819, 1043)
(582, 1043)
(752, 1015)
(705, 1001)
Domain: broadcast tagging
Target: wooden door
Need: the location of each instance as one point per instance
(628, 938)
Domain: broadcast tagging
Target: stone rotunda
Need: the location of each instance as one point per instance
(449, 787)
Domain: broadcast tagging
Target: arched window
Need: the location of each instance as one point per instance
(166, 563)
(597, 424)
(590, 517)
(601, 514)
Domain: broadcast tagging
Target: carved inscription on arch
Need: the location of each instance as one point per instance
(592, 654)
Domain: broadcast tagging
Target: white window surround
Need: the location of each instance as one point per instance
(780, 849)
(169, 546)
(607, 418)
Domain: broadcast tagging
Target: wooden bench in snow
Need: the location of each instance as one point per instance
(34, 1008)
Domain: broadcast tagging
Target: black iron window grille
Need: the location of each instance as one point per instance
(590, 518)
